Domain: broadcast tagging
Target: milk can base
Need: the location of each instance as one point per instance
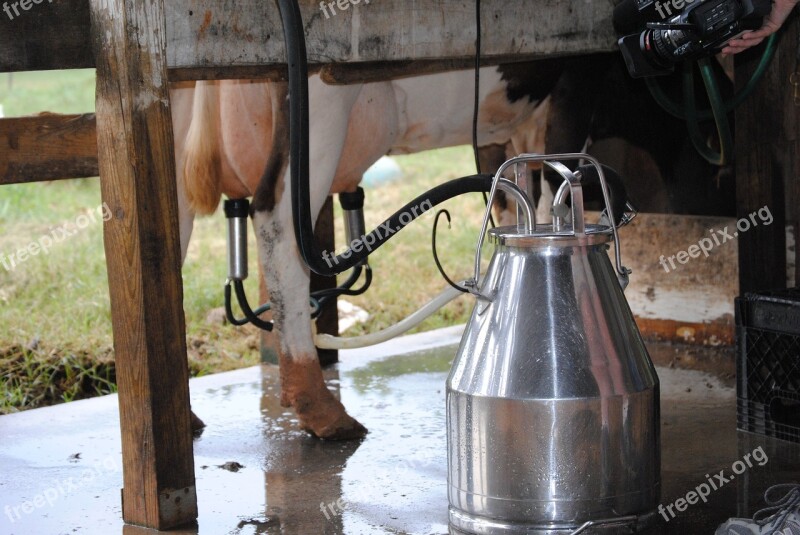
(462, 523)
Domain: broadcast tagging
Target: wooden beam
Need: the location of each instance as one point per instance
(766, 162)
(219, 38)
(47, 147)
(137, 176)
(375, 71)
(49, 35)
(242, 32)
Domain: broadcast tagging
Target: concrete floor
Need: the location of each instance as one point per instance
(61, 465)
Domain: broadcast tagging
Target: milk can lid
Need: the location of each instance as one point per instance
(518, 236)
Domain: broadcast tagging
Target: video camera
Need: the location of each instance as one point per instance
(669, 31)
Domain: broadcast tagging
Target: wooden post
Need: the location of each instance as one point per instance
(137, 170)
(328, 320)
(767, 161)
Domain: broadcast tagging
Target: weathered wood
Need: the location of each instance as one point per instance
(210, 32)
(374, 71)
(344, 73)
(137, 170)
(47, 147)
(214, 38)
(683, 332)
(49, 35)
(274, 73)
(766, 162)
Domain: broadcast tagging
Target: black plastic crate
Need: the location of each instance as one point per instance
(768, 363)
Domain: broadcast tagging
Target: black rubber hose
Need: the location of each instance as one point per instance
(249, 315)
(617, 192)
(404, 216)
(241, 296)
(346, 288)
(299, 166)
(442, 272)
(298, 133)
(229, 310)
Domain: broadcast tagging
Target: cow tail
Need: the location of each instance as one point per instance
(203, 159)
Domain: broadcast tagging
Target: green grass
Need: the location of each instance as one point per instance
(55, 324)
(28, 93)
(33, 378)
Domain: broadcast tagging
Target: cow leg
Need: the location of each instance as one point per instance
(302, 385)
(181, 101)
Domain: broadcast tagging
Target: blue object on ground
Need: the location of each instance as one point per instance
(382, 172)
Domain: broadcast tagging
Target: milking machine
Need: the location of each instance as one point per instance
(237, 212)
(552, 400)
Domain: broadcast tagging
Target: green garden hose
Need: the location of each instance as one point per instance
(719, 109)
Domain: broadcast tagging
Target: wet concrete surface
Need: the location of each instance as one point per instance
(257, 473)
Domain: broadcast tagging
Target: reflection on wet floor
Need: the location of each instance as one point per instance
(257, 473)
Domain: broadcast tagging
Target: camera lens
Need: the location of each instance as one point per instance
(654, 49)
(659, 46)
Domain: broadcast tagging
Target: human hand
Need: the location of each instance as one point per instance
(776, 18)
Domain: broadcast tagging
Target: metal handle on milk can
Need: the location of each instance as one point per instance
(622, 271)
(573, 185)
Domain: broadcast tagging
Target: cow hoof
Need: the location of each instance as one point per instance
(327, 419)
(319, 412)
(345, 428)
(197, 425)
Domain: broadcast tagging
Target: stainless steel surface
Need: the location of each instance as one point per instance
(545, 236)
(523, 203)
(572, 185)
(623, 525)
(622, 271)
(237, 248)
(554, 162)
(552, 400)
(524, 180)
